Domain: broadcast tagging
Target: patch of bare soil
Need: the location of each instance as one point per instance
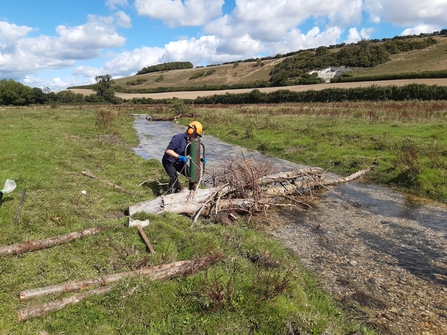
(297, 88)
(380, 254)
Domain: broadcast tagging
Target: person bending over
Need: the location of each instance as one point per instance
(175, 158)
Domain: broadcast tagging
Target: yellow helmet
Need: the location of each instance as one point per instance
(195, 127)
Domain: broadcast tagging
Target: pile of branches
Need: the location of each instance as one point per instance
(249, 186)
(243, 177)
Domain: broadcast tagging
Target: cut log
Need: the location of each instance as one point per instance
(159, 272)
(55, 305)
(20, 248)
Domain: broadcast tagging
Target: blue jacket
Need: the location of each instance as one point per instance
(178, 144)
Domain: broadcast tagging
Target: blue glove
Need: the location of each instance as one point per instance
(183, 159)
(204, 160)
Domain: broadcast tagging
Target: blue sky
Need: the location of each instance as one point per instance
(62, 43)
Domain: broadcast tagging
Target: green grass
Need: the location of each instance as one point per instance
(406, 140)
(258, 287)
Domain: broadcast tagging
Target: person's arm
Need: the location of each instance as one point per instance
(175, 155)
(172, 153)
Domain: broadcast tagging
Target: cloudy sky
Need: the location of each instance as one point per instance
(61, 43)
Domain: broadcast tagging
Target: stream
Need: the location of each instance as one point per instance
(381, 253)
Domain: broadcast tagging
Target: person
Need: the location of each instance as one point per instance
(175, 158)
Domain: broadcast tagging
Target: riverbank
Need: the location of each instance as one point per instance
(377, 251)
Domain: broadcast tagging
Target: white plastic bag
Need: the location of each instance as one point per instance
(10, 186)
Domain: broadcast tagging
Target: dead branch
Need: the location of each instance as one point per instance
(156, 273)
(20, 248)
(105, 181)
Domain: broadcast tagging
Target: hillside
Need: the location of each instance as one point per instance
(228, 74)
(433, 58)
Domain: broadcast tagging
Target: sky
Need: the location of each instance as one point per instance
(56, 44)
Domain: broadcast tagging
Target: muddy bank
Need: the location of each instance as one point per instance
(380, 252)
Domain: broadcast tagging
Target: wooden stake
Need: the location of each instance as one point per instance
(146, 240)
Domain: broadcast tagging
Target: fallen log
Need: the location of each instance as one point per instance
(170, 118)
(155, 273)
(20, 248)
(55, 305)
(180, 203)
(297, 181)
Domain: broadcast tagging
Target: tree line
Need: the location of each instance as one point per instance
(16, 94)
(166, 67)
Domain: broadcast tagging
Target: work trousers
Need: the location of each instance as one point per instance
(173, 169)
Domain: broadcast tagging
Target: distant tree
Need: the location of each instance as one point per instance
(321, 51)
(39, 96)
(69, 97)
(92, 98)
(104, 89)
(15, 93)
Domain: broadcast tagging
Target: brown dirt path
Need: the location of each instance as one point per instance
(297, 88)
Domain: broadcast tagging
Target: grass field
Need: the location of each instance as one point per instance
(406, 141)
(257, 288)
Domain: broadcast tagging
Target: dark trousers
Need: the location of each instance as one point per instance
(172, 169)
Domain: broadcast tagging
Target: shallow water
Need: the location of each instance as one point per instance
(396, 242)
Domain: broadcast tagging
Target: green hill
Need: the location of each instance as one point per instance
(258, 72)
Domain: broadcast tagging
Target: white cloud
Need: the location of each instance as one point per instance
(26, 55)
(97, 33)
(57, 84)
(180, 13)
(128, 63)
(273, 26)
(407, 12)
(123, 20)
(11, 32)
(87, 71)
(112, 4)
(355, 35)
(421, 28)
